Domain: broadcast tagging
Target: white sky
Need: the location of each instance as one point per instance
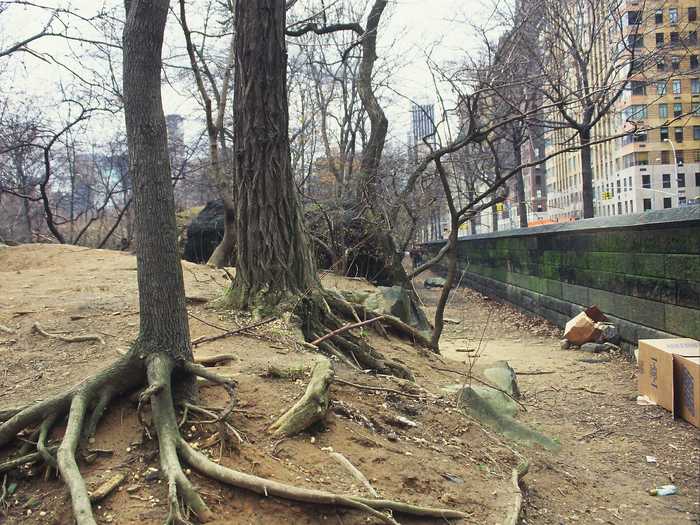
(410, 30)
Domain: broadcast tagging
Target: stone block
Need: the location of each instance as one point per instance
(688, 294)
(683, 267)
(576, 294)
(683, 321)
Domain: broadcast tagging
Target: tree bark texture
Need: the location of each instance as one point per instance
(372, 152)
(586, 173)
(274, 256)
(163, 315)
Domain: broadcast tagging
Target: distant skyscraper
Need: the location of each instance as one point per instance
(423, 123)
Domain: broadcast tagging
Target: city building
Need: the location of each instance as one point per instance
(656, 164)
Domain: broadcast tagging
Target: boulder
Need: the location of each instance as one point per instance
(434, 282)
(392, 300)
(205, 232)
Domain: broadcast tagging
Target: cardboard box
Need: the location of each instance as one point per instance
(661, 379)
(686, 380)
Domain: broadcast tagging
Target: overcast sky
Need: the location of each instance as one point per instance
(410, 30)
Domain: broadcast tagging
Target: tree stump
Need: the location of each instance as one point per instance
(311, 407)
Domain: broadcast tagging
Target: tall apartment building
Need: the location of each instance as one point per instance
(658, 166)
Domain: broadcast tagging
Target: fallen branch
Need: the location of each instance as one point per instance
(107, 487)
(514, 514)
(210, 338)
(213, 360)
(535, 372)
(67, 338)
(352, 469)
(345, 329)
(312, 406)
(378, 388)
(23, 460)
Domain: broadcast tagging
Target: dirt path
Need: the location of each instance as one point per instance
(601, 474)
(446, 459)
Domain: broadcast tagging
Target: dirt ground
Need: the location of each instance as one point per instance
(600, 475)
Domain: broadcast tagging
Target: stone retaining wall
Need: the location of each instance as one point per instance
(642, 270)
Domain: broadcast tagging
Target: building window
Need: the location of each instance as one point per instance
(674, 38)
(673, 15)
(634, 18)
(679, 157)
(660, 64)
(697, 180)
(696, 132)
(640, 136)
(677, 109)
(678, 134)
(675, 63)
(695, 106)
(635, 112)
(663, 110)
(663, 133)
(692, 38)
(659, 16)
(538, 180)
(637, 41)
(681, 201)
(666, 180)
(667, 202)
(665, 157)
(692, 14)
(681, 180)
(695, 86)
(647, 204)
(619, 208)
(639, 88)
(693, 62)
(659, 40)
(661, 87)
(676, 87)
(646, 181)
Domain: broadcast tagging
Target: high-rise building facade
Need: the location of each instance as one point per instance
(656, 164)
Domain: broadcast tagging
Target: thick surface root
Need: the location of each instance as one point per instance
(86, 402)
(311, 407)
(323, 315)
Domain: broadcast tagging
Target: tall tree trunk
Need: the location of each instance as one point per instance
(274, 256)
(520, 186)
(372, 153)
(586, 173)
(163, 316)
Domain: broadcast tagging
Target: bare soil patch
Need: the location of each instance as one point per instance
(447, 459)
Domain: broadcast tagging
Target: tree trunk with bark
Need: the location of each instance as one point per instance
(274, 257)
(520, 186)
(586, 173)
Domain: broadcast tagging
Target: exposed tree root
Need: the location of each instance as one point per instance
(321, 314)
(311, 407)
(86, 403)
(213, 360)
(269, 487)
(355, 472)
(67, 338)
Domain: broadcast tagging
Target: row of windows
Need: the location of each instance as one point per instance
(674, 38)
(679, 135)
(641, 158)
(636, 41)
(666, 180)
(635, 17)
